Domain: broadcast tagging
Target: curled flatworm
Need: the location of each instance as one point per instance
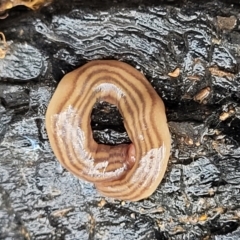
(126, 171)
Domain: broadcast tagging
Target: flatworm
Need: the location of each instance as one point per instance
(126, 171)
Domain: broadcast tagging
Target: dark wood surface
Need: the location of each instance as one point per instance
(199, 197)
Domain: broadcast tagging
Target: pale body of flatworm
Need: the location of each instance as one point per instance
(126, 171)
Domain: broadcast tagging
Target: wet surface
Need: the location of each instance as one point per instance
(199, 196)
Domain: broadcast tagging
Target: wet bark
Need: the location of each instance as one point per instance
(199, 197)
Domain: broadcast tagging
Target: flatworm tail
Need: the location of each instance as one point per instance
(127, 171)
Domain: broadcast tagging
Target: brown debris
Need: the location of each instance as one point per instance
(61, 212)
(193, 219)
(226, 23)
(225, 115)
(216, 41)
(3, 46)
(211, 191)
(218, 211)
(188, 140)
(33, 4)
(175, 73)
(215, 71)
(193, 78)
(202, 95)
(178, 229)
(203, 217)
(102, 203)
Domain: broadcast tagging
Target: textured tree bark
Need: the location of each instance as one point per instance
(189, 52)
